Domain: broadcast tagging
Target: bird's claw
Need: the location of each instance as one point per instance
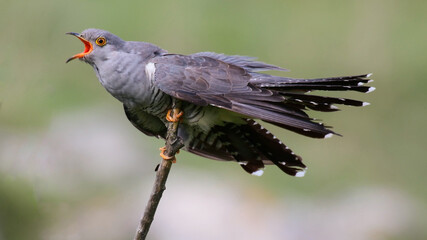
(175, 117)
(163, 155)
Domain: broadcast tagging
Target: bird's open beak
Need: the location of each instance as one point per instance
(88, 47)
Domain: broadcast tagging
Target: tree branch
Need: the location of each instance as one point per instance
(173, 144)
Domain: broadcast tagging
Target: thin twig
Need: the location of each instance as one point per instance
(173, 144)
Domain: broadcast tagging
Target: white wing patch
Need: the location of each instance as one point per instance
(150, 70)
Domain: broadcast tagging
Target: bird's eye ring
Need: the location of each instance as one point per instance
(101, 41)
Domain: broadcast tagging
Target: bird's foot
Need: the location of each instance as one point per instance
(163, 155)
(174, 115)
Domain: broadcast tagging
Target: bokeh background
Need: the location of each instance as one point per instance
(72, 167)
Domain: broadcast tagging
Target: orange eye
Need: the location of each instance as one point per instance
(101, 41)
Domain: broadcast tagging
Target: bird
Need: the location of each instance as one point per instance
(223, 99)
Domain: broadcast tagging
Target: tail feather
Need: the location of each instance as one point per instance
(281, 102)
(250, 144)
(346, 83)
(303, 126)
(344, 80)
(270, 81)
(244, 151)
(320, 103)
(289, 113)
(253, 146)
(277, 107)
(274, 150)
(303, 131)
(325, 87)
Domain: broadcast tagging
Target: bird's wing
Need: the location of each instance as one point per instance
(200, 80)
(146, 123)
(245, 62)
(205, 81)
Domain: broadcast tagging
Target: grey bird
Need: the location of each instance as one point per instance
(222, 99)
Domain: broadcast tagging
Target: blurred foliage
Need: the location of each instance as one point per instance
(20, 215)
(384, 143)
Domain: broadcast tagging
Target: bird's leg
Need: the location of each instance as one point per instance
(174, 115)
(173, 142)
(163, 155)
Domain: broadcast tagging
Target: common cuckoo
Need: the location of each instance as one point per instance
(222, 97)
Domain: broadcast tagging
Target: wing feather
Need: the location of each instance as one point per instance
(207, 81)
(146, 123)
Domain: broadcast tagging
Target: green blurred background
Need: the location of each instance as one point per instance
(72, 167)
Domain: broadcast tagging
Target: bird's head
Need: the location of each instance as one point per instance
(99, 45)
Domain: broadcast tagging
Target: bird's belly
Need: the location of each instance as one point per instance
(199, 120)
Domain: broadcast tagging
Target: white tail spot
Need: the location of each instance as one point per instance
(365, 104)
(371, 89)
(258, 172)
(329, 135)
(300, 174)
